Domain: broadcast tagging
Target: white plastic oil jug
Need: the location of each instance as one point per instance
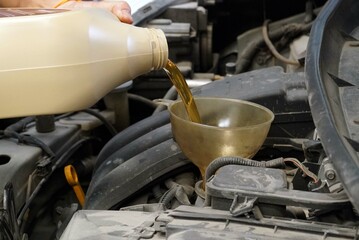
(66, 61)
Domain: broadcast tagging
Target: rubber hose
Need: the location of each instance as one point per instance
(246, 58)
(135, 174)
(104, 121)
(19, 125)
(132, 149)
(223, 161)
(131, 133)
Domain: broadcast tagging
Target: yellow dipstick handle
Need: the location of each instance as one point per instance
(72, 179)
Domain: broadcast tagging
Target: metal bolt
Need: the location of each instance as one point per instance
(230, 68)
(330, 174)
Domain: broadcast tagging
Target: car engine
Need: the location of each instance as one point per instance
(297, 58)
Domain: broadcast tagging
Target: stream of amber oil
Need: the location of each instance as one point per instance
(183, 90)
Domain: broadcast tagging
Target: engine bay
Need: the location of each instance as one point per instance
(139, 184)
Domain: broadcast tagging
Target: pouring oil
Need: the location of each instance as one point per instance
(183, 90)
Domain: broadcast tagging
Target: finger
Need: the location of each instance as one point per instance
(123, 11)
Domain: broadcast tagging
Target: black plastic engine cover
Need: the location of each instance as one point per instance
(283, 93)
(332, 76)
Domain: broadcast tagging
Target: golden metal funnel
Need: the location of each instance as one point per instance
(229, 128)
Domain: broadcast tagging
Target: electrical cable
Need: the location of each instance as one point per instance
(29, 184)
(57, 163)
(9, 207)
(272, 48)
(305, 170)
(168, 196)
(279, 162)
(107, 124)
(13, 130)
(236, 160)
(65, 115)
(141, 99)
(94, 113)
(31, 140)
(5, 231)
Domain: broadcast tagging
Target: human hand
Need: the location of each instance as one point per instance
(119, 8)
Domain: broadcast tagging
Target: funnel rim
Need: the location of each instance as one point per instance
(271, 114)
